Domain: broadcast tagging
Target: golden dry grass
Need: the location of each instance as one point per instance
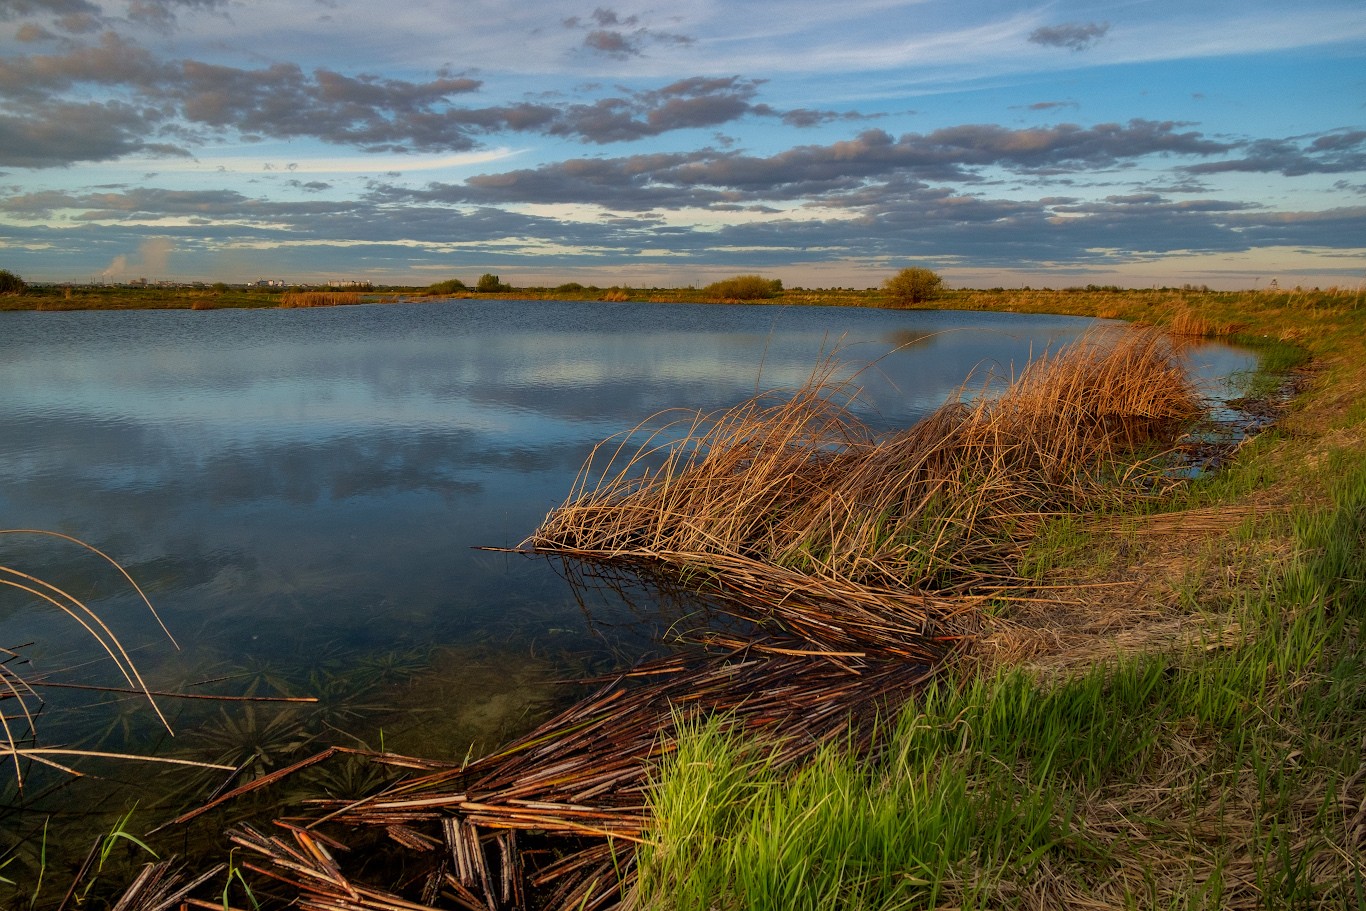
(318, 298)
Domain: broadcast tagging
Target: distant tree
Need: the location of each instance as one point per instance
(11, 283)
(570, 287)
(744, 288)
(913, 286)
(491, 284)
(449, 286)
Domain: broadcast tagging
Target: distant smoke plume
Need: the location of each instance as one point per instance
(153, 259)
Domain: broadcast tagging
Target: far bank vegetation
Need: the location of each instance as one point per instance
(743, 288)
(914, 285)
(318, 298)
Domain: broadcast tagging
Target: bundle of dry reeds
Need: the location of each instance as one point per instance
(803, 495)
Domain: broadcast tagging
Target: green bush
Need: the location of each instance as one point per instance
(449, 286)
(744, 288)
(913, 286)
(11, 283)
(491, 284)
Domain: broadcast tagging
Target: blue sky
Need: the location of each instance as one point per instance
(1148, 142)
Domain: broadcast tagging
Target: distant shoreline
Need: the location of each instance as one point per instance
(1158, 306)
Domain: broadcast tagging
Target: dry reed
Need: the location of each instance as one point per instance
(318, 298)
(785, 498)
(1186, 324)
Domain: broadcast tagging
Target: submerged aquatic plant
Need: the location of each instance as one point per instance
(25, 850)
(18, 734)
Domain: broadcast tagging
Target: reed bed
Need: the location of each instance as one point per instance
(318, 298)
(1185, 324)
(804, 497)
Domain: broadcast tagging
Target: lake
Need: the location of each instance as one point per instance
(301, 492)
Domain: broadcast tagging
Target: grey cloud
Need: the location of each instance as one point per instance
(807, 117)
(372, 113)
(849, 173)
(610, 34)
(687, 103)
(1145, 204)
(1100, 145)
(112, 62)
(29, 33)
(1051, 105)
(1341, 151)
(951, 153)
(634, 182)
(365, 111)
(605, 17)
(80, 23)
(899, 218)
(614, 44)
(72, 132)
(123, 203)
(1335, 228)
(161, 14)
(17, 9)
(1075, 35)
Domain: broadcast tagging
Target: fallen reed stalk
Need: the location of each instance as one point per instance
(582, 780)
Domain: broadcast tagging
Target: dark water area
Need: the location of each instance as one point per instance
(301, 492)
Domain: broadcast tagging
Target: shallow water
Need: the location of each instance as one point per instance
(300, 492)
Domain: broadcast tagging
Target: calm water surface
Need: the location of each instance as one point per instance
(300, 491)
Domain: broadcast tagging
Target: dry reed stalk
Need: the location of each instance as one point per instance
(1186, 324)
(161, 886)
(20, 743)
(318, 298)
(798, 495)
(1202, 521)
